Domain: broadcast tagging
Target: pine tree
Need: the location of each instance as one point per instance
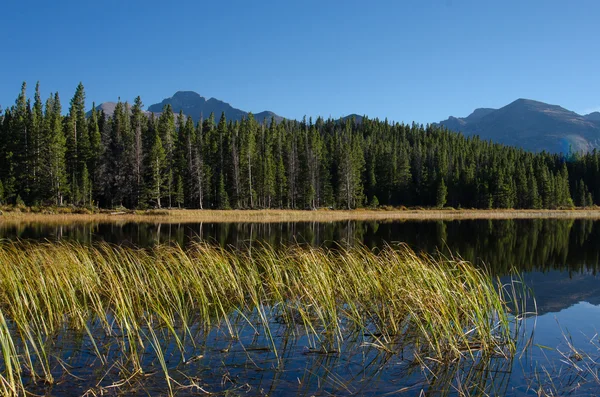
(37, 133)
(248, 158)
(211, 155)
(157, 169)
(267, 165)
(374, 202)
(441, 194)
(179, 196)
(18, 143)
(96, 148)
(86, 187)
(53, 154)
(168, 136)
(533, 197)
(198, 165)
(78, 143)
(222, 195)
(351, 164)
(280, 177)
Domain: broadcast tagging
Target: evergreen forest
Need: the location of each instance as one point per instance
(138, 160)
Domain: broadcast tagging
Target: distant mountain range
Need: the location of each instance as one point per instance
(533, 126)
(196, 106)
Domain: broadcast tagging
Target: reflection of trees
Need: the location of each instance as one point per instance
(526, 245)
(538, 244)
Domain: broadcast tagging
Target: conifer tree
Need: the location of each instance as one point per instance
(18, 143)
(78, 143)
(168, 136)
(37, 133)
(53, 152)
(280, 176)
(138, 122)
(248, 159)
(94, 132)
(441, 194)
(179, 194)
(198, 165)
(157, 168)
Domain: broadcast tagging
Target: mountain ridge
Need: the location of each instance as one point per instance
(196, 106)
(529, 124)
(532, 125)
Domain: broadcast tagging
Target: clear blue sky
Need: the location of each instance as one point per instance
(404, 60)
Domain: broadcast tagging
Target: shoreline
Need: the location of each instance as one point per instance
(275, 216)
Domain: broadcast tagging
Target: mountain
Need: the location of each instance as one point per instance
(195, 106)
(357, 118)
(595, 116)
(533, 126)
(109, 109)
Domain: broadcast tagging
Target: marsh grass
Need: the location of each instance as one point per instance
(575, 371)
(132, 301)
(65, 215)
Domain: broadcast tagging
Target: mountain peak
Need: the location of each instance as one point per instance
(195, 106)
(529, 103)
(532, 125)
(594, 116)
(187, 95)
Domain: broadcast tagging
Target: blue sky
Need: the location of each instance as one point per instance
(404, 60)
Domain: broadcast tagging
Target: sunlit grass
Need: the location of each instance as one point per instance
(64, 215)
(445, 309)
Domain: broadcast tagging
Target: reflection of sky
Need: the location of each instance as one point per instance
(580, 321)
(552, 333)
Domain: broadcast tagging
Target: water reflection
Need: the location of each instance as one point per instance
(558, 259)
(502, 245)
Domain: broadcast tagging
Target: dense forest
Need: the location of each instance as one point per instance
(137, 160)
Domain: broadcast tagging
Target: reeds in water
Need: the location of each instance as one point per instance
(444, 310)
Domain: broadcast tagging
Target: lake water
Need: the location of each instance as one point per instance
(557, 259)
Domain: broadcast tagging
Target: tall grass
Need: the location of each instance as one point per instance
(66, 216)
(444, 309)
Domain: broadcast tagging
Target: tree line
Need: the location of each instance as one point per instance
(139, 160)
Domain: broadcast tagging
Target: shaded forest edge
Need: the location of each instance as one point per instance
(68, 215)
(138, 161)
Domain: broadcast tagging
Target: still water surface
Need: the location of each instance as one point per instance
(557, 259)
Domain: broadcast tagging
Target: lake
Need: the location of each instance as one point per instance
(557, 347)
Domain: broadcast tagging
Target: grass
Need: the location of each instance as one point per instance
(575, 372)
(68, 215)
(446, 310)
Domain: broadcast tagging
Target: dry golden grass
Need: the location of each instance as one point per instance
(268, 216)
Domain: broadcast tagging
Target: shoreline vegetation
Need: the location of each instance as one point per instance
(12, 214)
(132, 307)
